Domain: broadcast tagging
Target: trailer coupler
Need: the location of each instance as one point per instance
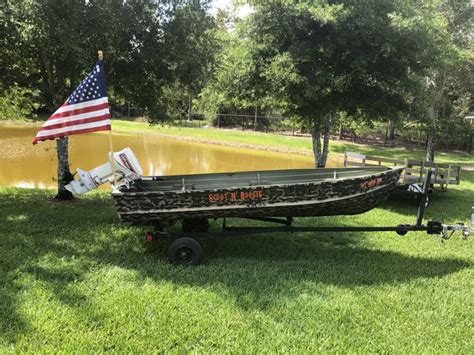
(446, 231)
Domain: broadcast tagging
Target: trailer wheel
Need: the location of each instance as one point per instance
(185, 251)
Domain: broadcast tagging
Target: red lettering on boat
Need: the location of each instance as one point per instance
(235, 196)
(371, 183)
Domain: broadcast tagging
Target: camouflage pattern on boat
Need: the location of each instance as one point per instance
(159, 200)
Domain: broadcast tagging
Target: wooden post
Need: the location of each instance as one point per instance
(422, 170)
(405, 171)
(112, 158)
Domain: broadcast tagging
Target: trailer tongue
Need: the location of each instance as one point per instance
(160, 201)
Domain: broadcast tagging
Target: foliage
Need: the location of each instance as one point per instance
(321, 58)
(139, 38)
(351, 56)
(17, 103)
(232, 88)
(376, 60)
(446, 94)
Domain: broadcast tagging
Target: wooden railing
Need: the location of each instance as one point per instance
(415, 170)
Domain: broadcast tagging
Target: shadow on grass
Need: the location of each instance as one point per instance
(58, 244)
(445, 206)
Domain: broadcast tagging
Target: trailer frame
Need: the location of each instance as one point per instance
(186, 250)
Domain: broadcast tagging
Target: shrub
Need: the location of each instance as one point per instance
(18, 103)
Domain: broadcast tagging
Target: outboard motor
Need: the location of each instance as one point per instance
(126, 166)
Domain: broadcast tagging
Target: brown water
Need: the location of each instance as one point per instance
(25, 165)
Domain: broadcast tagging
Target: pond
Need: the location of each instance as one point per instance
(25, 165)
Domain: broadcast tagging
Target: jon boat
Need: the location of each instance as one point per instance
(254, 194)
(153, 200)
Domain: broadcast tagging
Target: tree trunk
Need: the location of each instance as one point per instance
(326, 132)
(64, 175)
(341, 132)
(431, 138)
(316, 138)
(391, 130)
(255, 122)
(190, 107)
(321, 152)
(431, 144)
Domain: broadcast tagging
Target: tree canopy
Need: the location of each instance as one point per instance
(49, 45)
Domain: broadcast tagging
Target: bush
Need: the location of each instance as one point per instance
(18, 103)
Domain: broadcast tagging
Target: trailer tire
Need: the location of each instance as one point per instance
(185, 252)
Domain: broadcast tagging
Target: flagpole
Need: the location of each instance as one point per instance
(111, 146)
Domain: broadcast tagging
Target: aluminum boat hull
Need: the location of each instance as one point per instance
(255, 194)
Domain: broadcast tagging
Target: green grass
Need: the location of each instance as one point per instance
(286, 142)
(73, 278)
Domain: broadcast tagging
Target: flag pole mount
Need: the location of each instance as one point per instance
(111, 146)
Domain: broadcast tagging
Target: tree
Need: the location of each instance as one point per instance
(191, 45)
(328, 56)
(16, 103)
(447, 93)
(232, 87)
(236, 85)
(53, 33)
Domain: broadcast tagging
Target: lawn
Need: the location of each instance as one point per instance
(73, 278)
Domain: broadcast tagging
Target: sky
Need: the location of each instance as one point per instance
(222, 4)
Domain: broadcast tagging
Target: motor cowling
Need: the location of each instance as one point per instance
(124, 163)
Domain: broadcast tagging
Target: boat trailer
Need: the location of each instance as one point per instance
(186, 250)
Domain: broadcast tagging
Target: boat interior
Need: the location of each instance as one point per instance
(250, 178)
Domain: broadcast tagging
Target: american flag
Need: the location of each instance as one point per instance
(85, 111)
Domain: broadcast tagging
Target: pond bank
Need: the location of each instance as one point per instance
(270, 142)
(279, 143)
